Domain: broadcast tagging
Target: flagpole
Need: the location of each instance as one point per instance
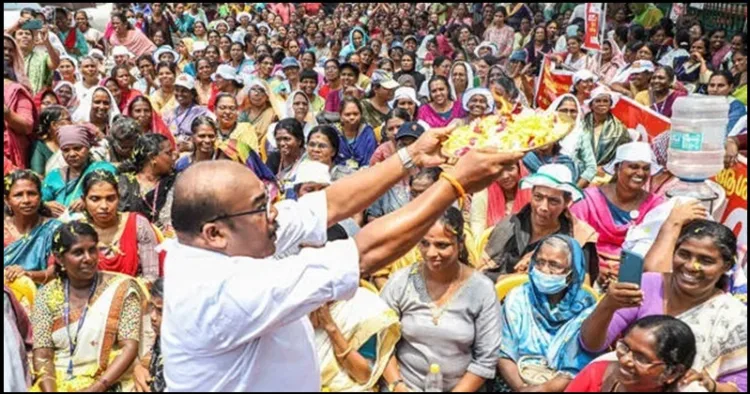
(604, 27)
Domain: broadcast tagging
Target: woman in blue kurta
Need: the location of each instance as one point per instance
(28, 229)
(357, 138)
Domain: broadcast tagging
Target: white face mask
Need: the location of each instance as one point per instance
(132, 21)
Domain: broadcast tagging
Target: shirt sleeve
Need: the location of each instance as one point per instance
(41, 319)
(486, 334)
(291, 288)
(129, 325)
(302, 221)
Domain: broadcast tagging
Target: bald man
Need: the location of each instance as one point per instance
(235, 318)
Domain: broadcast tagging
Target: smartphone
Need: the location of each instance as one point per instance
(34, 24)
(631, 267)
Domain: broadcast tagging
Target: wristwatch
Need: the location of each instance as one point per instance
(406, 159)
(392, 386)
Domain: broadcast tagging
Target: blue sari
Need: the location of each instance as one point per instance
(357, 153)
(32, 251)
(55, 188)
(533, 327)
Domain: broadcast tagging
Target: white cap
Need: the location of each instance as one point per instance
(312, 172)
(166, 49)
(640, 66)
(404, 93)
(121, 50)
(583, 75)
(555, 176)
(186, 81)
(634, 152)
(486, 44)
(199, 46)
(602, 90)
(227, 72)
(482, 92)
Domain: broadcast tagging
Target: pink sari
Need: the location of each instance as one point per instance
(17, 143)
(432, 118)
(593, 210)
(136, 42)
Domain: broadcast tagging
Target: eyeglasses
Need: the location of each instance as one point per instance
(266, 209)
(553, 267)
(638, 359)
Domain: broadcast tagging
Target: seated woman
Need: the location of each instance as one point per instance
(357, 138)
(461, 79)
(349, 74)
(99, 109)
(298, 106)
(323, 146)
(441, 109)
(146, 180)
(660, 95)
(28, 228)
(149, 374)
(205, 133)
(449, 315)
(500, 200)
(262, 110)
(227, 113)
(653, 355)
(110, 304)
(615, 207)
(375, 106)
(575, 145)
(552, 154)
(43, 149)
(601, 129)
(121, 75)
(140, 109)
(180, 119)
(364, 321)
(513, 241)
(291, 153)
(393, 121)
(721, 84)
(477, 103)
(540, 317)
(740, 75)
(63, 187)
(127, 242)
(703, 253)
(694, 71)
(117, 147)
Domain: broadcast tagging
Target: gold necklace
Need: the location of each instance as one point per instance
(437, 311)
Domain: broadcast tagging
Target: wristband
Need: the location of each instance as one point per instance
(392, 386)
(456, 186)
(406, 159)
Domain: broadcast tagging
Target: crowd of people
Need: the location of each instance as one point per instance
(253, 196)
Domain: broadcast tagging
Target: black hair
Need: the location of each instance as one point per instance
(653, 48)
(675, 341)
(311, 53)
(293, 127)
(351, 100)
(722, 236)
(157, 288)
(278, 56)
(146, 148)
(334, 61)
(706, 44)
(436, 78)
(330, 133)
(144, 57)
(397, 113)
(140, 99)
(203, 121)
(28, 175)
(432, 173)
(638, 32)
(717, 30)
(121, 16)
(98, 176)
(668, 26)
(634, 46)
(727, 75)
(453, 220)
(308, 74)
(669, 71)
(383, 61)
(9, 72)
(224, 95)
(113, 73)
(500, 10)
(68, 235)
(51, 114)
(621, 32)
(682, 38)
(170, 65)
(210, 47)
(350, 66)
(124, 128)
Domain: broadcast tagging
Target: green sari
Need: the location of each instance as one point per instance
(614, 134)
(66, 191)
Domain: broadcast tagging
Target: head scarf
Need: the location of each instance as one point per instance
(618, 58)
(18, 64)
(310, 120)
(350, 48)
(470, 83)
(422, 51)
(482, 92)
(83, 112)
(444, 46)
(569, 144)
(40, 95)
(73, 103)
(76, 72)
(77, 134)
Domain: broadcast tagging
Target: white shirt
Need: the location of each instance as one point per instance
(241, 324)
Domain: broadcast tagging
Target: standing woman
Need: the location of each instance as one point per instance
(298, 106)
(537, 48)
(121, 75)
(409, 67)
(130, 37)
(180, 119)
(141, 110)
(204, 86)
(146, 180)
(603, 131)
(117, 147)
(93, 37)
(163, 99)
(238, 60)
(98, 109)
(109, 304)
(127, 241)
(227, 113)
(28, 228)
(357, 138)
(323, 146)
(393, 121)
(225, 45)
(67, 94)
(291, 141)
(261, 111)
(63, 187)
(68, 69)
(375, 108)
(205, 133)
(441, 109)
(46, 144)
(19, 114)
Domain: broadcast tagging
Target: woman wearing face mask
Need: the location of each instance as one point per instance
(109, 303)
(62, 187)
(540, 316)
(661, 97)
(692, 289)
(615, 207)
(444, 295)
(204, 139)
(46, 144)
(654, 354)
(146, 180)
(442, 109)
(28, 229)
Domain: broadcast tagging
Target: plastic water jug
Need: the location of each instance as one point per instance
(434, 381)
(696, 141)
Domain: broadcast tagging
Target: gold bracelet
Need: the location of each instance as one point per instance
(456, 186)
(345, 353)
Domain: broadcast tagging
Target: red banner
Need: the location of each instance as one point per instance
(592, 38)
(640, 118)
(734, 182)
(551, 84)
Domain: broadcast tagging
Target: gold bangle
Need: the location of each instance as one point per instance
(456, 186)
(345, 353)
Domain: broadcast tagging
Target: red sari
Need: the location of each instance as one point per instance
(157, 123)
(590, 379)
(496, 200)
(125, 261)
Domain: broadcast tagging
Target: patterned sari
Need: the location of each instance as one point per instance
(115, 314)
(359, 319)
(613, 135)
(66, 192)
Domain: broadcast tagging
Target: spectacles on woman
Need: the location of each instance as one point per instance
(643, 363)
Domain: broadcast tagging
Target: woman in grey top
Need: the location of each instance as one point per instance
(449, 315)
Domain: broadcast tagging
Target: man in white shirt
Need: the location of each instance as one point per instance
(235, 318)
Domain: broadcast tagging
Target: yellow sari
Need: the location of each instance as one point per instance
(358, 319)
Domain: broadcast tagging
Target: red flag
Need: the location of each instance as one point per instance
(637, 117)
(591, 39)
(734, 181)
(551, 84)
